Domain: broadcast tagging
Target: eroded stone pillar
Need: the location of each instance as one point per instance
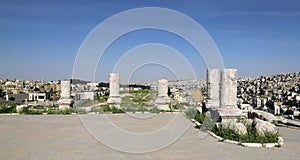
(162, 88)
(65, 100)
(114, 85)
(228, 87)
(65, 87)
(162, 101)
(114, 90)
(228, 110)
(213, 88)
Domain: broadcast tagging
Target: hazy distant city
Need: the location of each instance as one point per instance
(265, 92)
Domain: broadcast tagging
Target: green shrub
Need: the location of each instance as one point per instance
(65, 111)
(27, 110)
(97, 109)
(102, 98)
(8, 109)
(200, 117)
(206, 123)
(81, 110)
(130, 109)
(38, 107)
(190, 113)
(225, 133)
(142, 109)
(68, 111)
(178, 107)
(53, 111)
(154, 109)
(4, 109)
(116, 110)
(251, 136)
(106, 108)
(113, 109)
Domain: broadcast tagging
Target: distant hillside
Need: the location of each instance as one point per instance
(78, 81)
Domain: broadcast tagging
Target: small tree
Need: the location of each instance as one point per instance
(12, 98)
(270, 104)
(2, 94)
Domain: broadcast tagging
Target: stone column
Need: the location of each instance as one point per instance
(213, 87)
(228, 110)
(65, 87)
(163, 100)
(162, 88)
(114, 90)
(65, 101)
(114, 85)
(228, 88)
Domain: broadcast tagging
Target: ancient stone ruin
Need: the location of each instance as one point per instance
(65, 101)
(222, 91)
(228, 109)
(162, 101)
(114, 90)
(222, 102)
(213, 88)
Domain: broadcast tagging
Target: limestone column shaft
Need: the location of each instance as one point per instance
(114, 89)
(213, 87)
(228, 87)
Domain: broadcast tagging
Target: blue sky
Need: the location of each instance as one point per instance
(40, 39)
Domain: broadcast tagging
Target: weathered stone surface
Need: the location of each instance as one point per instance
(280, 141)
(65, 100)
(228, 123)
(263, 126)
(162, 88)
(230, 112)
(88, 109)
(232, 124)
(162, 101)
(248, 122)
(228, 87)
(65, 87)
(265, 116)
(114, 90)
(114, 85)
(228, 96)
(213, 88)
(114, 101)
(240, 128)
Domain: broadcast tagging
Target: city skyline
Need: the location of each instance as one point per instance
(40, 39)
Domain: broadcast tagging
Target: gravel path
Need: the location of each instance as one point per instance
(65, 137)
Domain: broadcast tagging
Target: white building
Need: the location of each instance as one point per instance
(41, 97)
(86, 95)
(246, 107)
(92, 86)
